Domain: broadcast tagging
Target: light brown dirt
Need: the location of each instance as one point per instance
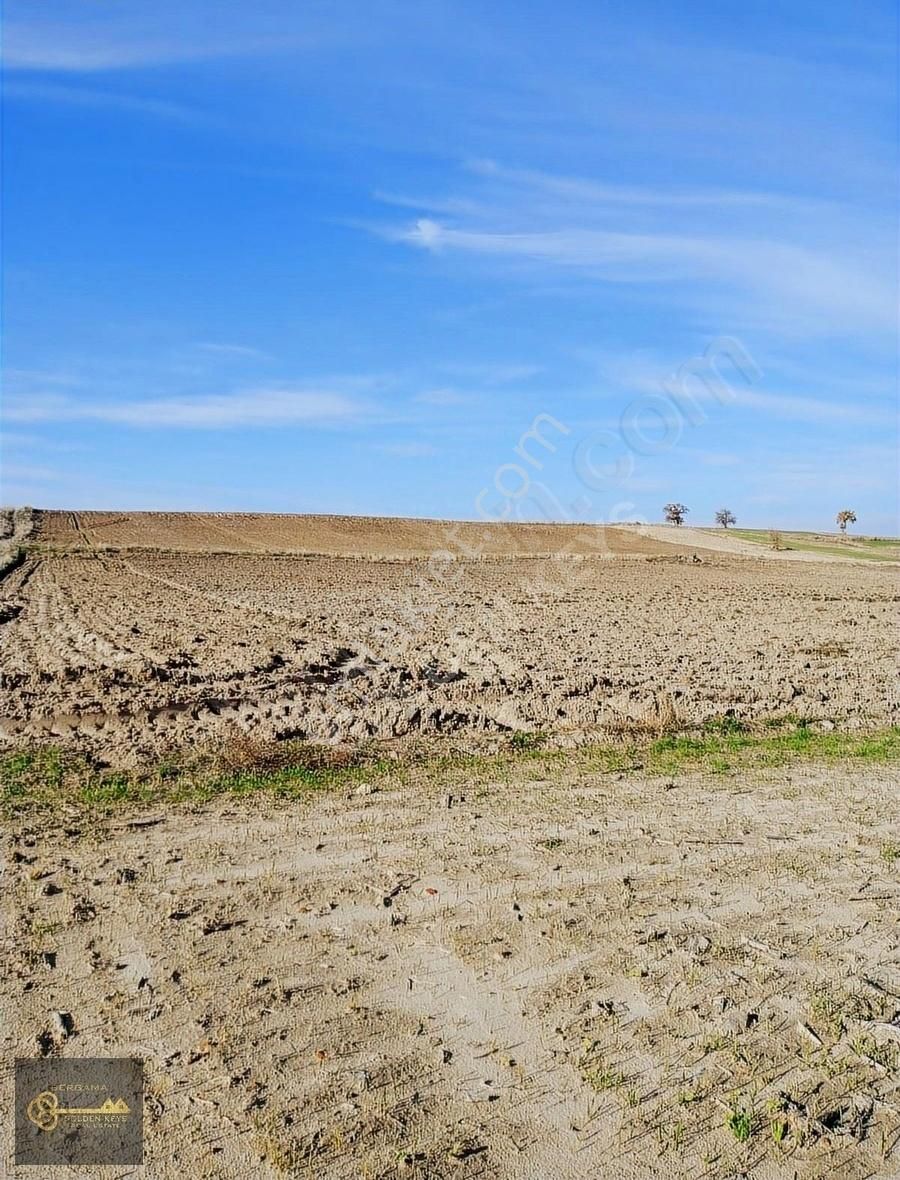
(568, 978)
(724, 542)
(338, 536)
(128, 654)
(577, 976)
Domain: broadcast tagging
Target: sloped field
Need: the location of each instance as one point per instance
(127, 653)
(354, 536)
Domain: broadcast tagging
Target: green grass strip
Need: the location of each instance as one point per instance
(48, 779)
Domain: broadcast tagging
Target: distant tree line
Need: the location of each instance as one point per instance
(675, 514)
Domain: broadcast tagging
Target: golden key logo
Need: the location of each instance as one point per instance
(44, 1110)
(79, 1110)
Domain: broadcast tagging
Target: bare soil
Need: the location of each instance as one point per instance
(130, 653)
(338, 536)
(567, 976)
(550, 972)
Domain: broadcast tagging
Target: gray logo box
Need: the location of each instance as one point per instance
(79, 1110)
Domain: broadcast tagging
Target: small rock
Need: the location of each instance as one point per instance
(462, 1149)
(62, 1026)
(649, 936)
(84, 910)
(365, 789)
(697, 944)
(50, 889)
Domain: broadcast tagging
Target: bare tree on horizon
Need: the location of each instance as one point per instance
(844, 517)
(675, 513)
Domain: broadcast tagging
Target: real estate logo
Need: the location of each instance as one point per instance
(79, 1110)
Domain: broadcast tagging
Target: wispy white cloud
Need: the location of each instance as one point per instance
(81, 96)
(253, 407)
(790, 264)
(236, 350)
(442, 397)
(497, 373)
(824, 291)
(129, 36)
(42, 45)
(713, 458)
(29, 377)
(407, 450)
(643, 373)
(27, 471)
(835, 474)
(813, 409)
(452, 206)
(574, 188)
(15, 440)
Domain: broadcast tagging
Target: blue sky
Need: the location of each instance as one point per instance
(339, 257)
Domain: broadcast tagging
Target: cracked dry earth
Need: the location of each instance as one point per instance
(594, 975)
(128, 653)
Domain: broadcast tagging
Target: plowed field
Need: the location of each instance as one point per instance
(129, 634)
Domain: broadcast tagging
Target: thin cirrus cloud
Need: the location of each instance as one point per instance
(81, 96)
(722, 385)
(822, 289)
(232, 350)
(812, 409)
(798, 264)
(442, 397)
(33, 46)
(866, 469)
(130, 36)
(575, 188)
(408, 450)
(26, 471)
(248, 408)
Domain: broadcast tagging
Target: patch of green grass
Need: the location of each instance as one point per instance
(869, 1048)
(741, 1123)
(109, 788)
(48, 778)
(866, 548)
(598, 1074)
(24, 772)
(778, 1129)
(833, 1009)
(728, 724)
(890, 853)
(713, 751)
(523, 740)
